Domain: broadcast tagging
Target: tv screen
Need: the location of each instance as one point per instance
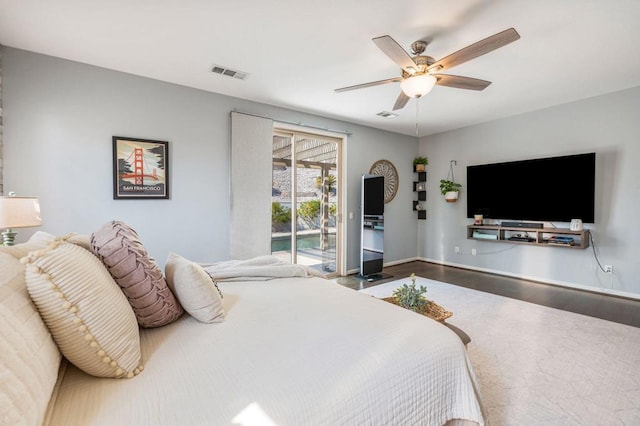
(555, 189)
(373, 195)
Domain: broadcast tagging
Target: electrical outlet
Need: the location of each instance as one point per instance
(457, 249)
(608, 269)
(473, 252)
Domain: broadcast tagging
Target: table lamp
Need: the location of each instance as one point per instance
(17, 212)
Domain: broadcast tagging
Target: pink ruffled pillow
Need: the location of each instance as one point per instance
(118, 247)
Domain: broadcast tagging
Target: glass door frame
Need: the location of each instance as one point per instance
(341, 140)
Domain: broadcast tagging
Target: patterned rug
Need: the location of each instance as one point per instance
(538, 365)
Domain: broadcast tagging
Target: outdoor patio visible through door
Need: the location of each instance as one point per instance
(305, 221)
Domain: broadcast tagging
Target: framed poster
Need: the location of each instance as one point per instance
(140, 168)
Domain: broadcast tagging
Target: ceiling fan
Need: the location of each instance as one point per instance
(420, 72)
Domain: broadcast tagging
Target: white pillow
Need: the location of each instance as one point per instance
(29, 358)
(85, 310)
(38, 240)
(195, 289)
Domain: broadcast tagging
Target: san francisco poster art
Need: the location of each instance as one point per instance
(140, 168)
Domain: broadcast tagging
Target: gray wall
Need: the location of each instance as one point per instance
(59, 117)
(608, 125)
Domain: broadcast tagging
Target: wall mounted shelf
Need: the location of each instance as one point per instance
(420, 188)
(554, 237)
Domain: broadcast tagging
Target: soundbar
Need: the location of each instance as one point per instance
(521, 225)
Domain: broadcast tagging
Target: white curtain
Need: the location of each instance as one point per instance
(251, 168)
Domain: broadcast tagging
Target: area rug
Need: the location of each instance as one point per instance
(538, 365)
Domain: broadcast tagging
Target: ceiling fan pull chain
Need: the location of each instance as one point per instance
(417, 116)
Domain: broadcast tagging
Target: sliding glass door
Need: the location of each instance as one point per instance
(305, 207)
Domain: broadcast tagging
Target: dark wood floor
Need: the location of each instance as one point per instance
(611, 308)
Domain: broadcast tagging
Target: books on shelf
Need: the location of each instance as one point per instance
(561, 240)
(483, 236)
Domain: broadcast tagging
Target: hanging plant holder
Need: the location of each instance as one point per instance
(449, 187)
(451, 196)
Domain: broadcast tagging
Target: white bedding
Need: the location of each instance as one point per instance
(259, 268)
(291, 351)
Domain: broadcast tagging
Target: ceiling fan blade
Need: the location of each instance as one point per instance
(461, 82)
(401, 101)
(393, 50)
(479, 48)
(370, 84)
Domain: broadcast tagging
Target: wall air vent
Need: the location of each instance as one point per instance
(387, 114)
(217, 69)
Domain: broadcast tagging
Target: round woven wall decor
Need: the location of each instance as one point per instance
(386, 168)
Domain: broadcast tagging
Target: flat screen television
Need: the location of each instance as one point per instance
(373, 195)
(554, 189)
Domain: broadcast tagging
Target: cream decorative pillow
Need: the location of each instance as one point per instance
(29, 358)
(81, 240)
(38, 240)
(84, 309)
(118, 247)
(194, 288)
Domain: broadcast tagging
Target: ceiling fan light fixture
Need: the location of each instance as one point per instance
(434, 69)
(417, 86)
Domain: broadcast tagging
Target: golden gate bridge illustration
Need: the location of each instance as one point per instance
(138, 164)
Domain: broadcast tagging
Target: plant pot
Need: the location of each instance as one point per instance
(419, 167)
(451, 196)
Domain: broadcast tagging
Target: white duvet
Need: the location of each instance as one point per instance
(291, 351)
(259, 268)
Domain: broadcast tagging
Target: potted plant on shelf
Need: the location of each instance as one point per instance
(419, 163)
(450, 190)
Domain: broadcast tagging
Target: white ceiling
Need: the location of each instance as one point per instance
(298, 51)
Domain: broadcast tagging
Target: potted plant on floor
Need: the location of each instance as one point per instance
(419, 163)
(450, 190)
(411, 297)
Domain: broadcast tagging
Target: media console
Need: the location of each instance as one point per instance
(556, 237)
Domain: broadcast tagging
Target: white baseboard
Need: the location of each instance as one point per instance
(386, 264)
(399, 262)
(536, 279)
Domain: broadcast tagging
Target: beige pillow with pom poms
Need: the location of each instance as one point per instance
(89, 318)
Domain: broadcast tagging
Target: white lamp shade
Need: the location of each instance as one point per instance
(418, 85)
(19, 212)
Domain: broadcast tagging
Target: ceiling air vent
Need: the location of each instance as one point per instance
(387, 114)
(217, 69)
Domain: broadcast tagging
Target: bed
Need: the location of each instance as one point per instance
(290, 351)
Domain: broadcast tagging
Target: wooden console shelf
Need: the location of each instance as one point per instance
(536, 236)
